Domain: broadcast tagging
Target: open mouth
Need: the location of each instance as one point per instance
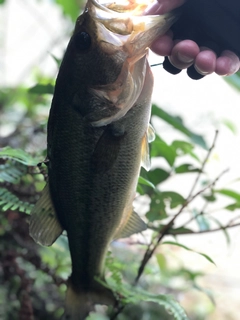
(124, 17)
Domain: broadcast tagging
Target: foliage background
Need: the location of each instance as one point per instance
(33, 277)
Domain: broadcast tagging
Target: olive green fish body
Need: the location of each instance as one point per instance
(90, 203)
(98, 133)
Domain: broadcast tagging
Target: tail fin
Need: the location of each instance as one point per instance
(79, 304)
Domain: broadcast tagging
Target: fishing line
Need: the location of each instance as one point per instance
(156, 64)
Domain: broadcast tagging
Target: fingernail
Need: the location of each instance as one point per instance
(204, 73)
(233, 69)
(184, 58)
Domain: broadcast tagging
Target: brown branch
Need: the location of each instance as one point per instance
(152, 247)
(197, 215)
(175, 232)
(203, 165)
(210, 230)
(119, 310)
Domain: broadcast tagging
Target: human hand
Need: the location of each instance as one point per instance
(186, 53)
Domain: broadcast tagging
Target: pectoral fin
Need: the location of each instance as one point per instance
(44, 226)
(106, 151)
(150, 133)
(146, 163)
(148, 137)
(134, 225)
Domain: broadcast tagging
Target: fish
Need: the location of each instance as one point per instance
(97, 140)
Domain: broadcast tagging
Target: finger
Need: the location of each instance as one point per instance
(205, 62)
(228, 63)
(163, 45)
(193, 74)
(169, 67)
(184, 53)
(164, 6)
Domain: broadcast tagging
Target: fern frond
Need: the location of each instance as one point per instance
(134, 295)
(19, 156)
(10, 201)
(114, 268)
(12, 171)
(167, 301)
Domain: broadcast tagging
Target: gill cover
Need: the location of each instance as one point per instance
(121, 26)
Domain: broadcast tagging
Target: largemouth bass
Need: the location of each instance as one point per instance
(98, 134)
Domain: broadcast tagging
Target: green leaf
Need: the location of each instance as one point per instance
(57, 60)
(70, 8)
(157, 176)
(168, 302)
(42, 89)
(12, 171)
(183, 147)
(188, 249)
(19, 156)
(178, 124)
(229, 193)
(225, 231)
(146, 182)
(10, 201)
(230, 125)
(206, 291)
(115, 268)
(186, 168)
(157, 209)
(135, 295)
(158, 204)
(160, 148)
(232, 207)
(175, 199)
(234, 80)
(140, 190)
(210, 197)
(162, 262)
(2, 1)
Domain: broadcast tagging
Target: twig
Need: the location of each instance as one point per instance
(186, 232)
(196, 216)
(117, 312)
(233, 220)
(203, 164)
(152, 247)
(211, 230)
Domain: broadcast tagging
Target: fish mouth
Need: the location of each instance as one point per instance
(123, 21)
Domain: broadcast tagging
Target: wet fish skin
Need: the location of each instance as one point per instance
(97, 138)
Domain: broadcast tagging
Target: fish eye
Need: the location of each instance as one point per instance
(82, 40)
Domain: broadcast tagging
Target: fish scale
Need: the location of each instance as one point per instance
(97, 140)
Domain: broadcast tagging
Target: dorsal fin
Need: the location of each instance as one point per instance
(44, 226)
(134, 225)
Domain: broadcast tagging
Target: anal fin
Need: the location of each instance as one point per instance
(134, 225)
(44, 226)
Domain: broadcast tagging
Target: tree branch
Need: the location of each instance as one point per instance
(153, 246)
(203, 165)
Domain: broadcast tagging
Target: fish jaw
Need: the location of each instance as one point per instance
(123, 28)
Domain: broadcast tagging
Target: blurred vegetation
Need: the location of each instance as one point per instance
(33, 278)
